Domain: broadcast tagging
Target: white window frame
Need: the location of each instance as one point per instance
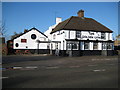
(77, 46)
(71, 47)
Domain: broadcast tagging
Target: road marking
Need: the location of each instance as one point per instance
(107, 59)
(92, 65)
(103, 70)
(17, 67)
(3, 77)
(31, 67)
(111, 64)
(98, 70)
(51, 67)
(74, 66)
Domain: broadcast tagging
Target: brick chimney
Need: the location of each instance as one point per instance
(80, 13)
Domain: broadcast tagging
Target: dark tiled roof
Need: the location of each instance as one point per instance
(83, 24)
(28, 31)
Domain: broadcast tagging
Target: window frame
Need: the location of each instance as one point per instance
(78, 34)
(103, 36)
(88, 45)
(76, 46)
(23, 40)
(95, 43)
(111, 46)
(104, 44)
(33, 38)
(16, 44)
(70, 46)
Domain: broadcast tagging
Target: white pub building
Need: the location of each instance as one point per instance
(79, 36)
(75, 36)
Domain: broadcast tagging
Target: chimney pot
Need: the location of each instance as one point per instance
(80, 13)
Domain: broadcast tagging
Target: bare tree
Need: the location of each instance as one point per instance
(15, 35)
(2, 29)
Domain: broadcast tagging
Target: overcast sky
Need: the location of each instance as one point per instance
(25, 15)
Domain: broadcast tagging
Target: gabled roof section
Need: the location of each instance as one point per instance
(82, 24)
(29, 31)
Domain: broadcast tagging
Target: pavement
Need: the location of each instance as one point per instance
(59, 72)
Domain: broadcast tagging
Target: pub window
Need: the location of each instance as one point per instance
(23, 40)
(33, 36)
(68, 46)
(16, 44)
(95, 45)
(86, 45)
(74, 46)
(56, 45)
(102, 35)
(109, 46)
(48, 46)
(104, 46)
(78, 34)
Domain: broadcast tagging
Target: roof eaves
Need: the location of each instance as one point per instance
(29, 31)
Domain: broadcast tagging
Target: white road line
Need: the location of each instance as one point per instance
(107, 59)
(98, 70)
(92, 65)
(111, 64)
(74, 66)
(51, 67)
(3, 77)
(17, 67)
(103, 70)
(31, 67)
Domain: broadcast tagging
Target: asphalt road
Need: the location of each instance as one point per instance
(60, 72)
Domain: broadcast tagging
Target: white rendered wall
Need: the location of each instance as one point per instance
(91, 46)
(99, 46)
(31, 43)
(71, 34)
